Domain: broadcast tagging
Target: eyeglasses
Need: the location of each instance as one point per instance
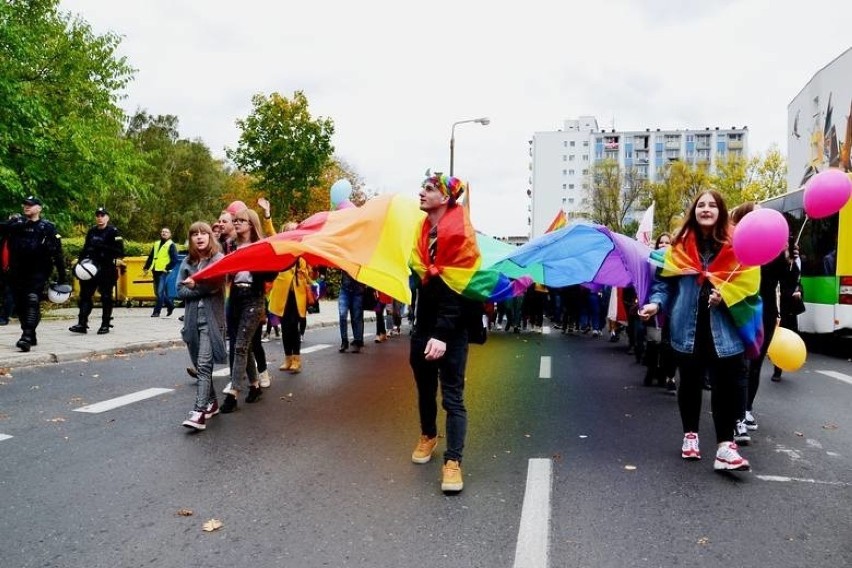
(236, 221)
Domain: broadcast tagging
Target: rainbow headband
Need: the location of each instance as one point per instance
(450, 186)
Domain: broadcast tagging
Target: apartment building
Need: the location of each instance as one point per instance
(561, 162)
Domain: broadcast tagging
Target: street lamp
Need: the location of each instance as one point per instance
(484, 121)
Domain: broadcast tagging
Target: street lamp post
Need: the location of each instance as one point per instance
(484, 121)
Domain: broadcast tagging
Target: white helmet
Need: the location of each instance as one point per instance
(85, 269)
(58, 293)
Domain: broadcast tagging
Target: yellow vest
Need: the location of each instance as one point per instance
(161, 256)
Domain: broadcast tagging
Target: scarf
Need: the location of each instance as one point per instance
(457, 260)
(738, 286)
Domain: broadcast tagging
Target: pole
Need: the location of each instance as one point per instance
(452, 147)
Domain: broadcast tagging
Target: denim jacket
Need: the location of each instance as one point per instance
(678, 297)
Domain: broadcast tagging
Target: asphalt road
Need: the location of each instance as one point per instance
(569, 462)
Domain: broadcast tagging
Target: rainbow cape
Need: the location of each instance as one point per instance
(739, 286)
(458, 261)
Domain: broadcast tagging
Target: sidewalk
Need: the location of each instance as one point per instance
(133, 330)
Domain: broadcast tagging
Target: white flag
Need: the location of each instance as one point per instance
(646, 226)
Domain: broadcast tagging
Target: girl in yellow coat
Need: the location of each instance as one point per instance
(288, 299)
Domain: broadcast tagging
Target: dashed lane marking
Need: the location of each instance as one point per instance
(837, 375)
(533, 548)
(784, 478)
(111, 404)
(315, 348)
(544, 367)
(4, 437)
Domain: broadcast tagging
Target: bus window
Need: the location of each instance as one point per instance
(818, 247)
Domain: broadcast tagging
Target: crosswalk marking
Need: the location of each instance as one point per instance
(544, 368)
(532, 550)
(111, 404)
(784, 478)
(4, 437)
(315, 348)
(223, 372)
(837, 375)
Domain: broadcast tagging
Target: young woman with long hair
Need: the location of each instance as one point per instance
(694, 285)
(246, 307)
(204, 320)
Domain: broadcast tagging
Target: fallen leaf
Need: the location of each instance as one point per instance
(527, 435)
(799, 434)
(830, 426)
(703, 541)
(57, 419)
(630, 467)
(95, 376)
(34, 388)
(583, 436)
(212, 525)
(185, 512)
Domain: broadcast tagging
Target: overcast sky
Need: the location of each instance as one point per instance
(394, 76)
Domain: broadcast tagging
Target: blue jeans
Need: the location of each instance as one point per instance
(162, 290)
(350, 303)
(204, 393)
(450, 368)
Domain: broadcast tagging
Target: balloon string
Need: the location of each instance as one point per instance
(801, 230)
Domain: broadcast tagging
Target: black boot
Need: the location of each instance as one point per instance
(80, 327)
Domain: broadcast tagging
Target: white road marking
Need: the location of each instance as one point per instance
(315, 348)
(544, 367)
(223, 372)
(533, 548)
(4, 437)
(837, 375)
(111, 404)
(784, 478)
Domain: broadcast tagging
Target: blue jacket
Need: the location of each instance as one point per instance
(678, 297)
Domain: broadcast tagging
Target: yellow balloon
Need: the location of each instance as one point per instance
(787, 350)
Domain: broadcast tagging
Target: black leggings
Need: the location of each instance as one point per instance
(727, 380)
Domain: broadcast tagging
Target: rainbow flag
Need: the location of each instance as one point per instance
(372, 243)
(458, 261)
(739, 286)
(558, 222)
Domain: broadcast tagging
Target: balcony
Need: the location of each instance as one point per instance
(735, 144)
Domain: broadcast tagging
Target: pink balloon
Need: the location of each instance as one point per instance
(826, 193)
(760, 236)
(346, 204)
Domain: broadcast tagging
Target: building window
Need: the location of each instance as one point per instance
(564, 158)
(572, 143)
(585, 172)
(585, 157)
(565, 172)
(570, 186)
(570, 200)
(571, 172)
(571, 158)
(564, 186)
(585, 143)
(564, 143)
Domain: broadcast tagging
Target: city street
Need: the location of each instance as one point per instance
(569, 461)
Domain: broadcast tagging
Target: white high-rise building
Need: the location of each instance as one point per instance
(561, 162)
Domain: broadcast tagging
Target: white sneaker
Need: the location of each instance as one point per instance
(265, 380)
(728, 458)
(750, 422)
(741, 433)
(689, 450)
(229, 389)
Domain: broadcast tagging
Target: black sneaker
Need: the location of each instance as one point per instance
(254, 394)
(78, 328)
(103, 330)
(169, 311)
(344, 347)
(23, 345)
(230, 404)
(155, 315)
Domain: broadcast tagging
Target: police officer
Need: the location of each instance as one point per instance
(103, 247)
(34, 251)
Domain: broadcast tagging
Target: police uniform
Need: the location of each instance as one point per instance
(35, 249)
(103, 247)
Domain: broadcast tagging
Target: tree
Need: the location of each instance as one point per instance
(770, 176)
(60, 125)
(613, 194)
(183, 182)
(285, 150)
(679, 184)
